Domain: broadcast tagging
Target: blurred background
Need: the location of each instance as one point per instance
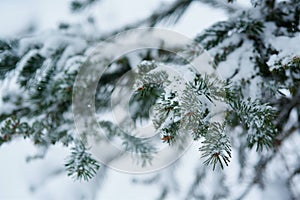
(22, 177)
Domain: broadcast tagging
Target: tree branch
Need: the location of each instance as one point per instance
(263, 162)
(174, 12)
(287, 108)
(230, 8)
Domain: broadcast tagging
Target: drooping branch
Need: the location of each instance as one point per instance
(173, 12)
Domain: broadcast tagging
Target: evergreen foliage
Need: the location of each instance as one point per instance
(80, 164)
(258, 96)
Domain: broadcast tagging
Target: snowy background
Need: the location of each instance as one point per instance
(46, 178)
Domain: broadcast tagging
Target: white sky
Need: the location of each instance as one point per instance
(16, 15)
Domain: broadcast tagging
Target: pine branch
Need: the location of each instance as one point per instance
(8, 59)
(12, 127)
(140, 148)
(28, 72)
(80, 164)
(209, 86)
(227, 6)
(172, 14)
(80, 5)
(224, 52)
(221, 31)
(258, 119)
(216, 146)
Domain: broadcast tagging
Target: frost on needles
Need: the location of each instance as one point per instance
(254, 50)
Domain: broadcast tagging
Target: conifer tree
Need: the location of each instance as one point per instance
(256, 50)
